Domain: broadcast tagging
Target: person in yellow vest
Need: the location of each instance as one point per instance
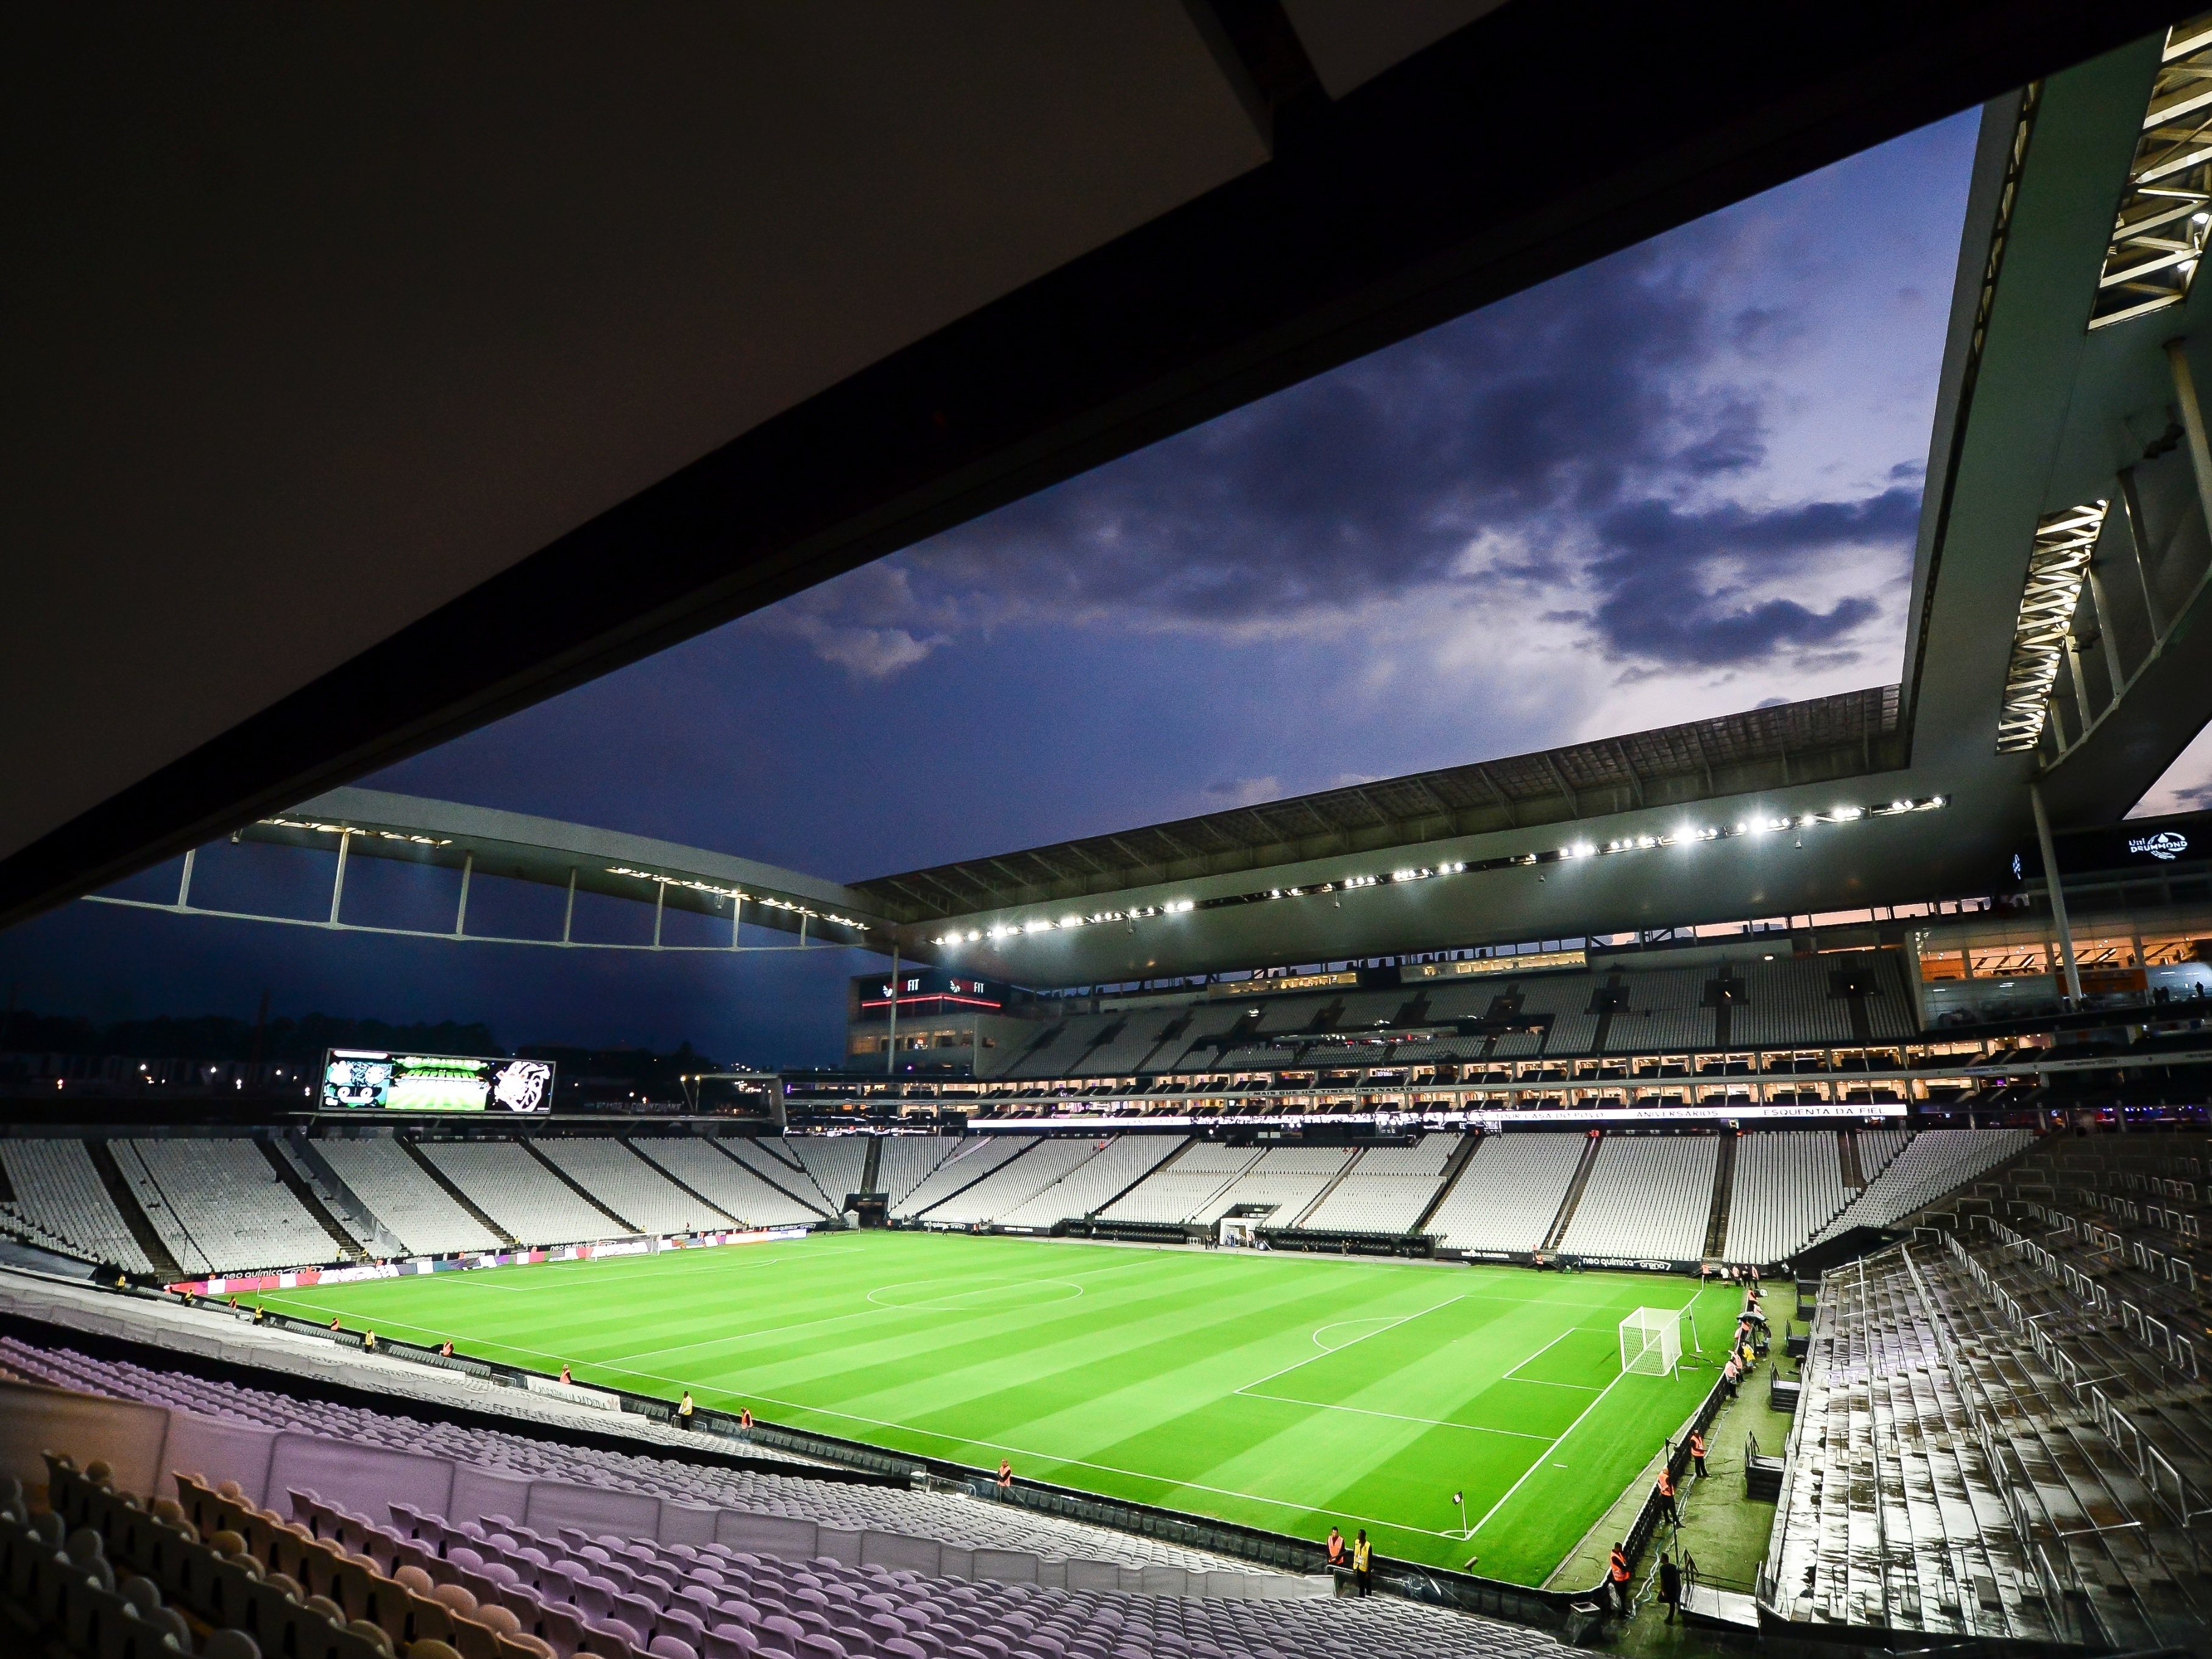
(1363, 1565)
(1616, 1576)
(684, 1411)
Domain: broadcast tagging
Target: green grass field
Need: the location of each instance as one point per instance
(1281, 1391)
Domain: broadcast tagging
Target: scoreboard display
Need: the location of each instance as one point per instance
(372, 1079)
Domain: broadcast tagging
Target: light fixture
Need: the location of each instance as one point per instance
(2158, 232)
(2056, 563)
(1753, 826)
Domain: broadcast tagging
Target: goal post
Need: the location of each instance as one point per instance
(1652, 1341)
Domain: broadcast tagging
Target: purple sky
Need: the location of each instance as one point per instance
(1682, 481)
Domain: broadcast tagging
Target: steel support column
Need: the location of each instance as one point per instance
(337, 882)
(2057, 888)
(2192, 423)
(890, 1043)
(461, 910)
(185, 881)
(2114, 673)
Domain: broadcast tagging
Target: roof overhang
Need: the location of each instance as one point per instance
(370, 399)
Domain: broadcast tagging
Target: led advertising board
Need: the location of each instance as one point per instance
(372, 1079)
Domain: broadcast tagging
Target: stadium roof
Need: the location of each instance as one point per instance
(1799, 743)
(385, 372)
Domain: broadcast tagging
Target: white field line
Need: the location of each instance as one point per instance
(1396, 1417)
(1546, 1457)
(1341, 1346)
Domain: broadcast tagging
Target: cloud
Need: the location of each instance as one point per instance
(1582, 453)
(1243, 792)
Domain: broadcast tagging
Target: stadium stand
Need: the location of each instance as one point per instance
(1195, 1048)
(1662, 1009)
(1134, 1037)
(1787, 1002)
(1117, 1164)
(212, 1200)
(1787, 1185)
(726, 1183)
(969, 1160)
(1016, 1180)
(1566, 1000)
(1878, 1148)
(905, 1160)
(496, 1586)
(633, 1188)
(400, 1193)
(1278, 1189)
(1178, 1190)
(835, 1164)
(1937, 1161)
(1509, 1192)
(1386, 1188)
(1647, 1196)
(1988, 1446)
(61, 1203)
(504, 1181)
(770, 1157)
(938, 1517)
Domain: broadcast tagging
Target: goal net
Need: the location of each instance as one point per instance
(1652, 1341)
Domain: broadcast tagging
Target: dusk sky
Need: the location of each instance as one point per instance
(1681, 482)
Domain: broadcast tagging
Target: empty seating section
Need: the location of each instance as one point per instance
(949, 1519)
(1122, 1054)
(514, 1189)
(1178, 1190)
(836, 1164)
(1787, 1185)
(1119, 1163)
(1937, 1162)
(1787, 1001)
(573, 1588)
(968, 1162)
(1507, 1195)
(1462, 998)
(905, 1160)
(726, 1183)
(1052, 1051)
(1014, 1182)
(1890, 1513)
(1566, 998)
(400, 1194)
(61, 1203)
(1663, 1012)
(627, 1185)
(1386, 1188)
(1278, 1188)
(1878, 1147)
(222, 1207)
(772, 1159)
(1984, 1450)
(1194, 1052)
(1647, 1196)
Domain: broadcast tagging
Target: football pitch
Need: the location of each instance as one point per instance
(1281, 1391)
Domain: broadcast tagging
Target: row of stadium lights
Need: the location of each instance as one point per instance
(737, 894)
(1424, 872)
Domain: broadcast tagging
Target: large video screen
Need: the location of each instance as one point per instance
(358, 1078)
